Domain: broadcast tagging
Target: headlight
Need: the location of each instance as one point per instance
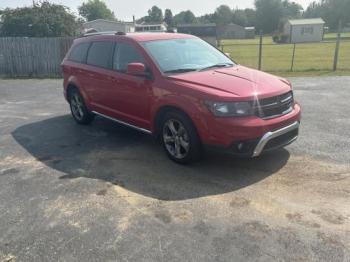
(230, 108)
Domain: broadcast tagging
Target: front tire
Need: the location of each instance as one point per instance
(179, 138)
(78, 108)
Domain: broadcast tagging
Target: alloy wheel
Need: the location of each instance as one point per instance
(77, 106)
(176, 139)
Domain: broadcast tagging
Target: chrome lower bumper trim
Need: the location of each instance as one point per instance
(271, 135)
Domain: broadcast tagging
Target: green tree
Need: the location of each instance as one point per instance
(185, 17)
(332, 11)
(95, 9)
(223, 15)
(268, 14)
(240, 17)
(155, 15)
(291, 9)
(41, 20)
(168, 17)
(206, 19)
(251, 16)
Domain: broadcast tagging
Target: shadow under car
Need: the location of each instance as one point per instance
(116, 154)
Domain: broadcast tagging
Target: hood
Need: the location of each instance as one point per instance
(237, 81)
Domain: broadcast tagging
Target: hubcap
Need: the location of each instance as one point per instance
(77, 107)
(176, 139)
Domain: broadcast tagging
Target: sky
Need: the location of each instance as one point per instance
(125, 9)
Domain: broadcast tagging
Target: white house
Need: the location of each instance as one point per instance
(102, 25)
(304, 30)
(151, 27)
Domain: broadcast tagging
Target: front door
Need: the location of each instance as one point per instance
(131, 94)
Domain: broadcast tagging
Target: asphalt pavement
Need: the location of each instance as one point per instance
(105, 192)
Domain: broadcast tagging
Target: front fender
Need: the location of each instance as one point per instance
(189, 105)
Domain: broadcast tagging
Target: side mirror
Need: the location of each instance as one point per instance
(137, 69)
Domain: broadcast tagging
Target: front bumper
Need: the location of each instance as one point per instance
(277, 139)
(271, 140)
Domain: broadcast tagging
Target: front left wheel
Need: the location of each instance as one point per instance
(179, 138)
(78, 108)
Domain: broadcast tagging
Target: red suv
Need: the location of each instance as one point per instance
(182, 90)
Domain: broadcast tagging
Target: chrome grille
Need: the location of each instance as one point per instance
(274, 106)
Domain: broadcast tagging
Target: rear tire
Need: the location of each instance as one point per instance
(78, 108)
(179, 138)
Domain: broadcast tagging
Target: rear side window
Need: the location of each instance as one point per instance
(125, 54)
(78, 53)
(101, 54)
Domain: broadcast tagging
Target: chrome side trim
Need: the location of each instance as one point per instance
(273, 134)
(123, 123)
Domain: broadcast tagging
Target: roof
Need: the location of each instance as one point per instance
(139, 37)
(311, 21)
(202, 30)
(156, 36)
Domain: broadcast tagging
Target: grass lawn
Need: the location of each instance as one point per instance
(310, 58)
(333, 36)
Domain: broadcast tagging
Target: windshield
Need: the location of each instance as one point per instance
(184, 55)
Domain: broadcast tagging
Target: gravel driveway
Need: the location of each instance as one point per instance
(108, 193)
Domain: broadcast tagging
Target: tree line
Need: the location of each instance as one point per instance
(48, 19)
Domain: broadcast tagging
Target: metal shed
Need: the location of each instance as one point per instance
(304, 30)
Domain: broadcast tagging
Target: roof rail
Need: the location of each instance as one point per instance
(104, 33)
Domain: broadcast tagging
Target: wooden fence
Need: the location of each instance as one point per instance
(32, 57)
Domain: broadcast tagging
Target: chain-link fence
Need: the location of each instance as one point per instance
(40, 57)
(320, 56)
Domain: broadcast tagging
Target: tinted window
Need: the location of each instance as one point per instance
(78, 53)
(125, 54)
(100, 54)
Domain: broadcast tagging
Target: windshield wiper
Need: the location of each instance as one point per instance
(181, 70)
(217, 65)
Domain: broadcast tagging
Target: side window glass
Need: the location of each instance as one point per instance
(78, 53)
(100, 54)
(125, 54)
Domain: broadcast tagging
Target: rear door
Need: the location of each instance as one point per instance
(74, 65)
(100, 75)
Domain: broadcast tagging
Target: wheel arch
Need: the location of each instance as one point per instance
(71, 85)
(189, 111)
(161, 113)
